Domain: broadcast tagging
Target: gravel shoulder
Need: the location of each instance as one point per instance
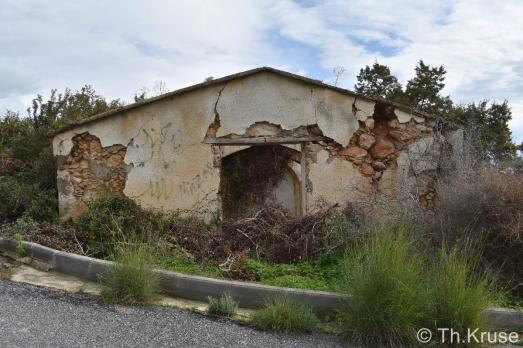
(32, 316)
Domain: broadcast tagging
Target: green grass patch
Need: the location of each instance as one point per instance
(224, 306)
(181, 261)
(283, 315)
(131, 281)
(506, 300)
(322, 275)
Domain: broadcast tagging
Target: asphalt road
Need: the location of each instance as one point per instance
(39, 317)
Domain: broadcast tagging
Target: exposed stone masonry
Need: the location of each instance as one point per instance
(95, 170)
(377, 143)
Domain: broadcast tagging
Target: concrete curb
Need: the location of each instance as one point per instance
(249, 295)
(507, 319)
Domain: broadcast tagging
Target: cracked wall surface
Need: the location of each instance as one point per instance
(366, 148)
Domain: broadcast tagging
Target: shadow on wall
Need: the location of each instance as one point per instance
(258, 176)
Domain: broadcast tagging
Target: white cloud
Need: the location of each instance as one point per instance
(119, 46)
(479, 42)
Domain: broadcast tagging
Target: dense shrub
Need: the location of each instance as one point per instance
(224, 306)
(131, 282)
(485, 204)
(21, 196)
(24, 227)
(113, 219)
(383, 277)
(284, 315)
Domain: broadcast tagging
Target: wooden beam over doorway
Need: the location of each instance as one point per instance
(261, 140)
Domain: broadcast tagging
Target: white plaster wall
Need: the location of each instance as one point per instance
(173, 169)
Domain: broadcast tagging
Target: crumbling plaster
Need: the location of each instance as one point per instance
(170, 167)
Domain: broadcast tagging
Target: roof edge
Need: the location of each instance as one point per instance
(225, 79)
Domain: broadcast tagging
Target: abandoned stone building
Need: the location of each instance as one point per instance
(233, 144)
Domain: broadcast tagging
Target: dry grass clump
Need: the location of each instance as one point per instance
(281, 314)
(225, 305)
(132, 282)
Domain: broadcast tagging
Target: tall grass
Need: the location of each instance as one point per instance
(394, 289)
(385, 286)
(225, 305)
(459, 290)
(132, 282)
(281, 314)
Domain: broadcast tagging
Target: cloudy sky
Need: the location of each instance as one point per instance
(121, 46)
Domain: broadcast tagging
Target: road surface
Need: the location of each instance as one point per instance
(40, 317)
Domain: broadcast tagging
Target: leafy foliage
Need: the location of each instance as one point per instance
(20, 196)
(67, 107)
(23, 228)
(31, 189)
(378, 82)
(423, 91)
(113, 219)
(491, 121)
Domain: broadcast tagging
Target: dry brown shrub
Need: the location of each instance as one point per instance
(9, 166)
(487, 205)
(57, 237)
(271, 234)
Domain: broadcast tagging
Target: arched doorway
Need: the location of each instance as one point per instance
(258, 176)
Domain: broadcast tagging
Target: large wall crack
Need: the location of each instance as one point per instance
(212, 130)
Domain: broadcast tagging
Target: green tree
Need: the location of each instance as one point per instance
(378, 82)
(489, 123)
(67, 107)
(423, 91)
(25, 140)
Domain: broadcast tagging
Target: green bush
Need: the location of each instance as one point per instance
(284, 315)
(111, 219)
(132, 281)
(383, 278)
(21, 196)
(224, 306)
(319, 275)
(459, 291)
(23, 228)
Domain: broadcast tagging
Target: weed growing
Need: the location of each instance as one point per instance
(132, 282)
(224, 306)
(20, 248)
(281, 314)
(459, 290)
